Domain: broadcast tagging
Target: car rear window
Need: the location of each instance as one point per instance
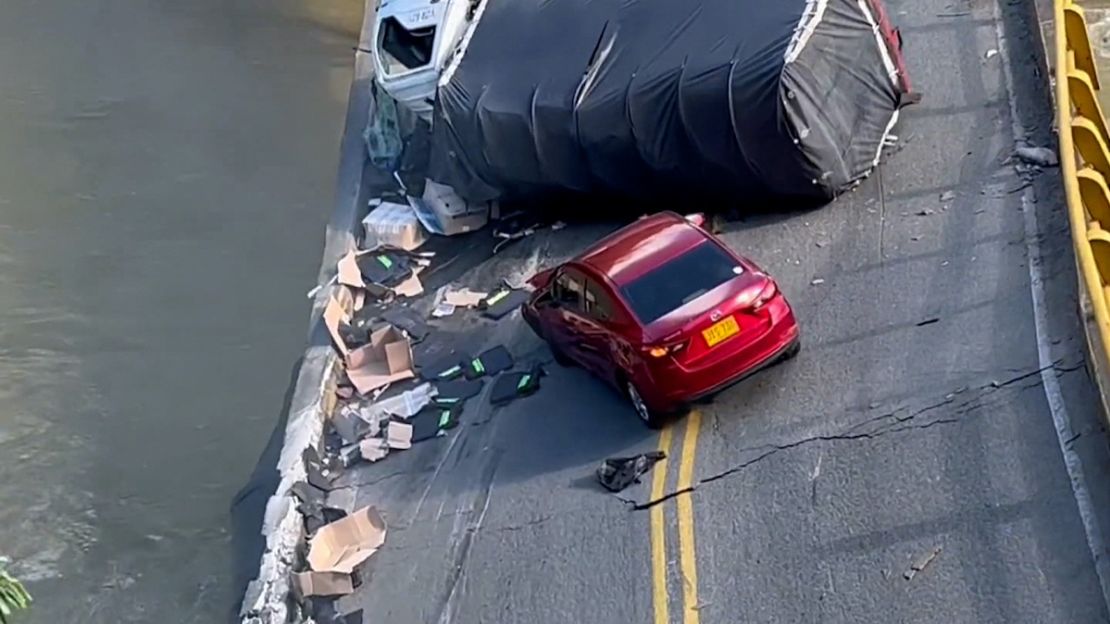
(685, 278)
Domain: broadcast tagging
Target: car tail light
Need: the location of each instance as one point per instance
(696, 218)
(769, 291)
(659, 351)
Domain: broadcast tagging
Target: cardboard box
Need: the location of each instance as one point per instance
(306, 584)
(398, 435)
(334, 315)
(443, 212)
(341, 546)
(347, 272)
(387, 358)
(393, 225)
(373, 449)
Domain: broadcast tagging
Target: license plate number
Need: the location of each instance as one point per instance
(720, 331)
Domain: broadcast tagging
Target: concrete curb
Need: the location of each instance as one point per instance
(267, 598)
(1043, 12)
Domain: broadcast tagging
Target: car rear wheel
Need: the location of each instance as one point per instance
(650, 417)
(561, 358)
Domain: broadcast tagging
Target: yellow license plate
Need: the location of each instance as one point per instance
(721, 330)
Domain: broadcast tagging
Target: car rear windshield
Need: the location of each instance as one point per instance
(683, 279)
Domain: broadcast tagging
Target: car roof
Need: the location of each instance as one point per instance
(641, 246)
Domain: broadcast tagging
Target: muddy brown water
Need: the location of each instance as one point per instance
(166, 172)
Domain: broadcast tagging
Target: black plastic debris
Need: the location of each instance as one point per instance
(353, 335)
(617, 473)
(502, 302)
(349, 425)
(432, 420)
(326, 516)
(446, 368)
(457, 391)
(408, 320)
(490, 362)
(310, 498)
(514, 227)
(316, 472)
(385, 267)
(515, 384)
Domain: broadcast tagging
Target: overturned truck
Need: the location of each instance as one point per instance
(734, 99)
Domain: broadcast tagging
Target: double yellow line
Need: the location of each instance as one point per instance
(687, 554)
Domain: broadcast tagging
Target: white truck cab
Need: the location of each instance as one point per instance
(413, 42)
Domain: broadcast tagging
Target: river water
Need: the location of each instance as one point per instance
(166, 172)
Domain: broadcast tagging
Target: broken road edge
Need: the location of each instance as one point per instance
(268, 598)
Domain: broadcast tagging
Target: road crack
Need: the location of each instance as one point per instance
(896, 422)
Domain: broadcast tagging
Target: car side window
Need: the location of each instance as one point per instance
(598, 303)
(568, 289)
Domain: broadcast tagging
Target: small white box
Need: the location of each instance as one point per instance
(393, 225)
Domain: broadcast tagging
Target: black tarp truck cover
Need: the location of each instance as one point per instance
(647, 99)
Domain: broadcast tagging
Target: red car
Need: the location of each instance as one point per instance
(665, 312)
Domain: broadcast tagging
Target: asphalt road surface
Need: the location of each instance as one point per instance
(914, 429)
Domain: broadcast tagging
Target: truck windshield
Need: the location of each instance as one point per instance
(669, 286)
(405, 49)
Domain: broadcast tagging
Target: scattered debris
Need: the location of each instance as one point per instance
(316, 473)
(386, 359)
(408, 320)
(502, 302)
(516, 384)
(928, 321)
(385, 267)
(336, 550)
(1039, 156)
(443, 212)
(617, 473)
(915, 238)
(398, 435)
(350, 425)
(922, 562)
(373, 449)
(433, 421)
(310, 497)
(947, 196)
(513, 227)
(490, 362)
(926, 212)
(443, 309)
(404, 405)
(463, 297)
(457, 391)
(394, 225)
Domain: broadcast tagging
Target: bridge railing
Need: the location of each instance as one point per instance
(1085, 168)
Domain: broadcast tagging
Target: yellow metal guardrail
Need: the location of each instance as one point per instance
(1085, 167)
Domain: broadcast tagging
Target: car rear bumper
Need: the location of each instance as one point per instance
(675, 387)
(767, 362)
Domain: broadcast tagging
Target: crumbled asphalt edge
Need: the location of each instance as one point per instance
(267, 598)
